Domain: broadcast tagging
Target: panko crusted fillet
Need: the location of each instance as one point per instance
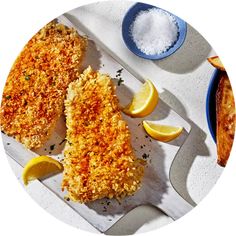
(33, 97)
(98, 158)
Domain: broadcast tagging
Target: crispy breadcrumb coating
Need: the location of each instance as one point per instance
(35, 90)
(98, 158)
(225, 119)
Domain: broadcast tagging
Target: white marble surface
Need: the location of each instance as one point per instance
(184, 78)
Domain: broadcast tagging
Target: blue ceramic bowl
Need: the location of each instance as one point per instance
(130, 17)
(211, 103)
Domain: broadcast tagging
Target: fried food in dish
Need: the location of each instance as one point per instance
(216, 62)
(225, 114)
(33, 97)
(98, 158)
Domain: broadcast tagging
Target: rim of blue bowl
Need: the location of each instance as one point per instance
(211, 103)
(128, 20)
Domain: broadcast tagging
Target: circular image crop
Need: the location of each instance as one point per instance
(118, 118)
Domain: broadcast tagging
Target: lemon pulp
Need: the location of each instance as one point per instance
(164, 133)
(143, 102)
(40, 167)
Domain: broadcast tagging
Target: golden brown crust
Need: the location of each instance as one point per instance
(216, 62)
(36, 86)
(98, 158)
(225, 113)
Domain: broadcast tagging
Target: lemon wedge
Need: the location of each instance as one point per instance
(162, 133)
(143, 102)
(39, 167)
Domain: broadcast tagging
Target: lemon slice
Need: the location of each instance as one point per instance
(162, 133)
(39, 167)
(143, 102)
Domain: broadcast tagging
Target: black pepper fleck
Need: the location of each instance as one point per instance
(118, 76)
(52, 147)
(27, 77)
(145, 156)
(62, 141)
(67, 199)
(119, 71)
(120, 81)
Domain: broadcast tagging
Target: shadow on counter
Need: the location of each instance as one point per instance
(190, 56)
(188, 152)
(142, 215)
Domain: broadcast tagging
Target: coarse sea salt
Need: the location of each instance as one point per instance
(154, 31)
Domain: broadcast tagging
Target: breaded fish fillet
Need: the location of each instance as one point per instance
(33, 97)
(225, 113)
(98, 158)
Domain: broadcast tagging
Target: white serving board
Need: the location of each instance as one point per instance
(156, 187)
